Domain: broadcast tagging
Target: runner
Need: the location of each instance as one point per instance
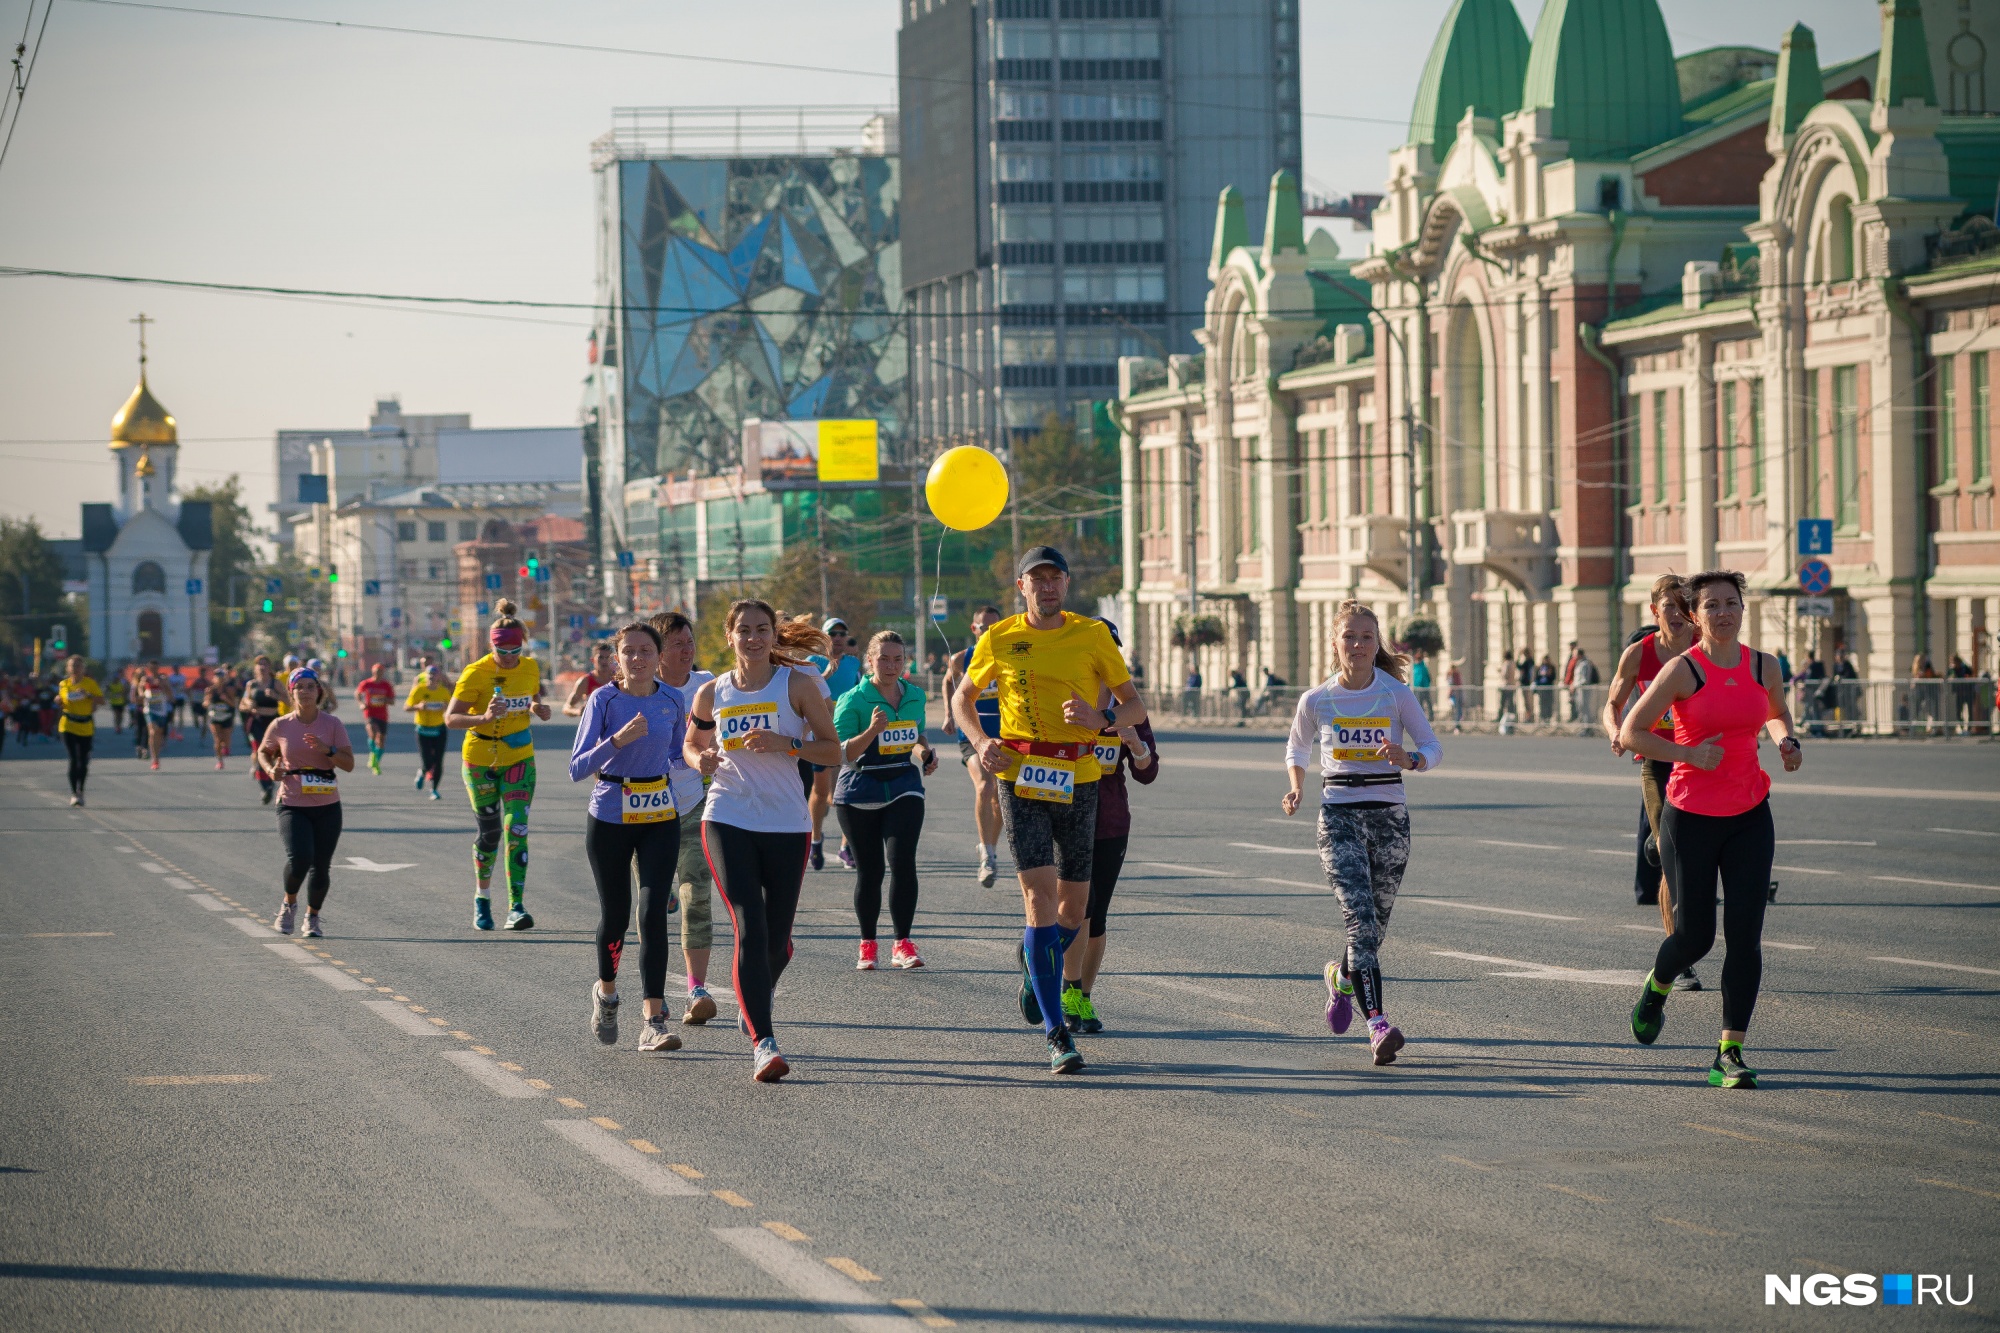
(985, 787)
(429, 694)
(261, 705)
(80, 698)
(691, 878)
(603, 670)
(375, 694)
(626, 741)
(1117, 749)
(1048, 662)
(493, 702)
(197, 699)
(178, 698)
(115, 695)
(301, 752)
(1361, 716)
(879, 797)
(218, 704)
(757, 824)
(158, 697)
(841, 671)
(1717, 821)
(1638, 667)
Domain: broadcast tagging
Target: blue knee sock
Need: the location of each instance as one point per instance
(1044, 948)
(1065, 936)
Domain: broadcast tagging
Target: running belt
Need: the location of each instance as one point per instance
(1363, 780)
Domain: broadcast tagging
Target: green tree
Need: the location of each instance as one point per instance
(235, 575)
(1068, 499)
(31, 591)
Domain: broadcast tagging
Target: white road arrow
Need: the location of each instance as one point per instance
(363, 863)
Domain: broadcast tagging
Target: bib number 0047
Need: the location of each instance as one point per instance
(1052, 780)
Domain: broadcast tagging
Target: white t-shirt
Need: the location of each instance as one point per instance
(1351, 725)
(685, 781)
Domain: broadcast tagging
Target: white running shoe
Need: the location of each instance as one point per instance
(658, 1036)
(770, 1066)
(604, 1016)
(287, 916)
(988, 871)
(312, 931)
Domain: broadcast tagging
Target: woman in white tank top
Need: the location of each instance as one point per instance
(748, 729)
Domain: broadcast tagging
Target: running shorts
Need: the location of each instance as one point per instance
(1043, 833)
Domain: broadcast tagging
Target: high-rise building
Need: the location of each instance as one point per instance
(1062, 160)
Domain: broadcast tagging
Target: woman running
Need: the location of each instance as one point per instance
(1717, 820)
(219, 707)
(261, 705)
(159, 700)
(1361, 717)
(879, 796)
(429, 695)
(757, 824)
(301, 752)
(494, 701)
(375, 694)
(603, 670)
(1119, 750)
(114, 695)
(79, 698)
(630, 732)
(692, 882)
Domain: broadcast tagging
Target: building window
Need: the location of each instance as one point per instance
(1321, 465)
(406, 532)
(1947, 420)
(1725, 443)
(1982, 445)
(1660, 447)
(1363, 501)
(407, 570)
(1846, 448)
(435, 532)
(1756, 438)
(1253, 525)
(149, 577)
(468, 529)
(436, 571)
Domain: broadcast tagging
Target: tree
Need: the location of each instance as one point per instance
(31, 591)
(1069, 499)
(234, 572)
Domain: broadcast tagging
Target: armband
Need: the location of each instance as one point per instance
(703, 723)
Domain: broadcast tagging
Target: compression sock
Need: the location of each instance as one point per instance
(1045, 972)
(1065, 936)
(1368, 983)
(990, 850)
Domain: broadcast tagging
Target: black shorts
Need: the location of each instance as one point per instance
(966, 752)
(1042, 833)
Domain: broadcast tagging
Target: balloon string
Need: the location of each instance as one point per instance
(937, 590)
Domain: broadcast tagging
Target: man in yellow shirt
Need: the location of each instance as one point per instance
(429, 695)
(494, 702)
(1049, 664)
(79, 698)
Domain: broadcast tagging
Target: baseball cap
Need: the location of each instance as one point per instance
(1040, 555)
(831, 621)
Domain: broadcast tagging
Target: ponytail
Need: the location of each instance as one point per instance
(793, 640)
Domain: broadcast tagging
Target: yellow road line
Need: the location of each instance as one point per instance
(732, 1198)
(685, 1171)
(541, 1084)
(643, 1145)
(482, 1050)
(786, 1231)
(1476, 1166)
(922, 1313)
(1963, 1189)
(571, 1102)
(601, 1121)
(852, 1269)
(188, 1080)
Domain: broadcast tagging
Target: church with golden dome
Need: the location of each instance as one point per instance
(146, 554)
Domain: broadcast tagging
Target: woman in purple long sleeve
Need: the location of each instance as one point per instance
(626, 740)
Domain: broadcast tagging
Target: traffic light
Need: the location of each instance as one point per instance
(340, 652)
(268, 606)
(444, 643)
(524, 571)
(332, 574)
(58, 639)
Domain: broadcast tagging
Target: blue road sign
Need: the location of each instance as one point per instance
(576, 622)
(1815, 577)
(492, 584)
(541, 573)
(484, 609)
(624, 560)
(371, 587)
(1815, 536)
(272, 587)
(194, 587)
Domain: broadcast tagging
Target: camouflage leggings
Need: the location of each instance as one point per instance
(1363, 852)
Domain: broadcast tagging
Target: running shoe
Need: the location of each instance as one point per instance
(1729, 1071)
(904, 955)
(287, 916)
(1072, 998)
(818, 858)
(435, 796)
(1063, 1056)
(701, 1006)
(988, 871)
(1650, 1014)
(866, 962)
(1771, 894)
(312, 930)
(1687, 980)
(74, 799)
(482, 914)
(156, 765)
(518, 919)
(1339, 999)
(1031, 1008)
(604, 1016)
(1384, 1040)
(218, 765)
(420, 782)
(770, 1066)
(1088, 1011)
(1652, 851)
(658, 1036)
(79, 800)
(846, 856)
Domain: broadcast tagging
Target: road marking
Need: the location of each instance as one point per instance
(128, 850)
(1609, 851)
(1540, 778)
(483, 1050)
(1727, 1133)
(1956, 1120)
(644, 1146)
(190, 1080)
(1482, 907)
(571, 1102)
(1190, 988)
(249, 927)
(732, 1198)
(1805, 870)
(834, 1294)
(620, 1158)
(152, 869)
(1964, 1189)
(1187, 870)
(922, 1313)
(1948, 967)
(1276, 851)
(363, 863)
(1934, 883)
(176, 882)
(335, 978)
(1550, 972)
(1822, 842)
(684, 1171)
(1564, 1189)
(1969, 832)
(208, 903)
(511, 1067)
(1773, 944)
(853, 1270)
(1627, 925)
(396, 1016)
(496, 1080)
(602, 1121)
(1465, 1161)
(399, 999)
(786, 1231)
(1689, 1226)
(61, 935)
(1529, 846)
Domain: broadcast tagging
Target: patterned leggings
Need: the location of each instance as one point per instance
(494, 792)
(1363, 850)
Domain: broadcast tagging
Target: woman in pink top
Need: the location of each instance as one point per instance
(1717, 820)
(303, 752)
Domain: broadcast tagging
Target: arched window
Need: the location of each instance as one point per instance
(1834, 247)
(149, 577)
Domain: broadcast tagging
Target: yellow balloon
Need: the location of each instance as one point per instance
(967, 488)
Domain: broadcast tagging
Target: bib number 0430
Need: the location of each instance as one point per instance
(1356, 739)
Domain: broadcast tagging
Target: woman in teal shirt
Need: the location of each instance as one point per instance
(879, 796)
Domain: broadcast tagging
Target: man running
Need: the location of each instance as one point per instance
(1049, 663)
(603, 670)
(79, 698)
(985, 789)
(375, 694)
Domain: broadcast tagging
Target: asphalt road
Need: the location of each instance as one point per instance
(206, 1126)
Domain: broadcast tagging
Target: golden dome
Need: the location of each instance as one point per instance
(142, 420)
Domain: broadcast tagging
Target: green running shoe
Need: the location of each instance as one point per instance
(1073, 1004)
(1063, 1057)
(1088, 1011)
(1650, 1014)
(1729, 1071)
(1031, 1008)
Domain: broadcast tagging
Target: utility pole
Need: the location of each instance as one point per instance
(921, 608)
(819, 519)
(1013, 473)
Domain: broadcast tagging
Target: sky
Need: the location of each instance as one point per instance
(226, 149)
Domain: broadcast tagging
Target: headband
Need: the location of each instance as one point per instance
(302, 674)
(507, 637)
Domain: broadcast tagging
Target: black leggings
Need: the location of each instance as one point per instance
(611, 848)
(1694, 849)
(888, 835)
(310, 833)
(79, 760)
(1107, 858)
(254, 727)
(430, 754)
(758, 875)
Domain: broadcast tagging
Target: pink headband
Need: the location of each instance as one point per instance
(507, 636)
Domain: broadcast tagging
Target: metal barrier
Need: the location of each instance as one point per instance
(1929, 706)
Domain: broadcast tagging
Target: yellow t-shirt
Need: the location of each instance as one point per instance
(429, 701)
(79, 700)
(508, 741)
(1038, 670)
(115, 692)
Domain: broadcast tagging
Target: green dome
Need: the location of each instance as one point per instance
(1605, 68)
(1477, 61)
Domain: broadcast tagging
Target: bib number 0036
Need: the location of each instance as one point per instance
(898, 738)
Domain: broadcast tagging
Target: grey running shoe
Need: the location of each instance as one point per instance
(769, 1066)
(988, 871)
(701, 1007)
(604, 1016)
(288, 915)
(1687, 980)
(312, 931)
(519, 919)
(658, 1036)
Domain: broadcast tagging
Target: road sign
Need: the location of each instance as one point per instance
(395, 615)
(576, 622)
(313, 573)
(624, 560)
(940, 607)
(1815, 536)
(1815, 577)
(233, 615)
(1816, 608)
(484, 608)
(291, 603)
(194, 587)
(371, 587)
(272, 587)
(492, 585)
(541, 573)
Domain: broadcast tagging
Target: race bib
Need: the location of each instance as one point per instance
(736, 722)
(317, 786)
(514, 703)
(1107, 755)
(991, 691)
(1355, 739)
(898, 738)
(648, 802)
(1052, 780)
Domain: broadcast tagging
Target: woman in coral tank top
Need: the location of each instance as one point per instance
(1717, 821)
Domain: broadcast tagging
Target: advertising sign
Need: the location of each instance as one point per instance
(806, 452)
